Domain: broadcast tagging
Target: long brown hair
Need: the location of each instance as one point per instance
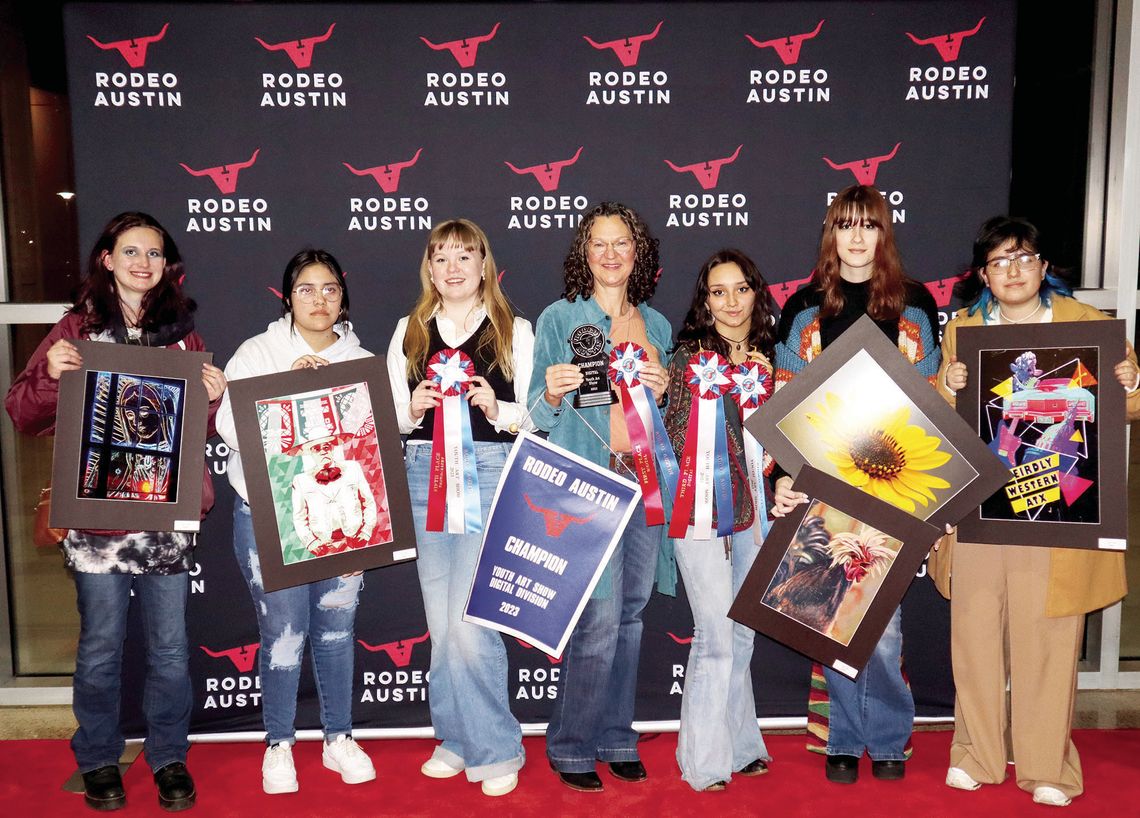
(497, 337)
(887, 297)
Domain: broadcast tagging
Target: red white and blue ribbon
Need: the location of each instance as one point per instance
(647, 438)
(453, 485)
(704, 465)
(751, 387)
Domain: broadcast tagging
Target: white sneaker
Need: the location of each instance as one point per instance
(1051, 796)
(345, 756)
(438, 768)
(278, 774)
(500, 784)
(959, 779)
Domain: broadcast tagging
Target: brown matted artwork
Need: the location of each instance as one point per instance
(831, 573)
(325, 471)
(862, 413)
(130, 439)
(1045, 400)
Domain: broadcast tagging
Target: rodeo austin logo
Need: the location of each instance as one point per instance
(238, 689)
(301, 88)
(228, 214)
(946, 79)
(397, 685)
(547, 211)
(865, 172)
(390, 212)
(628, 86)
(465, 87)
(707, 209)
(135, 88)
(792, 83)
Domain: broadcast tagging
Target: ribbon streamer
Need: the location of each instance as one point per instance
(647, 438)
(704, 480)
(453, 483)
(751, 387)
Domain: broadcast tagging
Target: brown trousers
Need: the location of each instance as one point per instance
(999, 633)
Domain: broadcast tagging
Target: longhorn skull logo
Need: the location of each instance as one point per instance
(463, 50)
(628, 48)
(224, 176)
(707, 172)
(787, 47)
(299, 51)
(387, 176)
(547, 174)
(134, 49)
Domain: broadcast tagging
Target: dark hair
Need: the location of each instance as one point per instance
(299, 262)
(97, 298)
(577, 280)
(887, 295)
(993, 233)
(699, 327)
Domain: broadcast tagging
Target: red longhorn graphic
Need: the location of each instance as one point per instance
(463, 50)
(529, 646)
(225, 176)
(501, 274)
(400, 651)
(783, 291)
(134, 49)
(680, 640)
(628, 48)
(387, 176)
(942, 290)
(948, 45)
(242, 656)
(708, 172)
(865, 169)
(547, 174)
(787, 47)
(556, 521)
(299, 51)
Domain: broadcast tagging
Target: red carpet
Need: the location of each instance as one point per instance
(229, 781)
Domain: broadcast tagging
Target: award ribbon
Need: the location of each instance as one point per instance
(453, 485)
(751, 387)
(647, 438)
(704, 478)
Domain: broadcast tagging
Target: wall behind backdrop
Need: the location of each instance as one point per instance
(253, 131)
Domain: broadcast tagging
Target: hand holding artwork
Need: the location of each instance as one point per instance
(425, 396)
(561, 379)
(62, 356)
(480, 394)
(786, 499)
(1127, 374)
(949, 532)
(956, 375)
(214, 380)
(309, 362)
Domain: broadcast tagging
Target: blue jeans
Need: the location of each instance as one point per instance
(324, 613)
(103, 600)
(719, 733)
(592, 718)
(876, 711)
(467, 685)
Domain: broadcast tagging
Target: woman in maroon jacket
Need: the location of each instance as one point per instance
(131, 295)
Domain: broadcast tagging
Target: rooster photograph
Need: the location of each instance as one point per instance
(831, 572)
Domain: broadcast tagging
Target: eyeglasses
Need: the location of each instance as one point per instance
(306, 293)
(1023, 261)
(622, 246)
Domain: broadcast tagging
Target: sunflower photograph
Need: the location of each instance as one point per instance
(860, 427)
(831, 572)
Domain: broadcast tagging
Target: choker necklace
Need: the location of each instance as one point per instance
(1019, 320)
(739, 343)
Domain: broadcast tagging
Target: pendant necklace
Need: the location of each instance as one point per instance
(739, 343)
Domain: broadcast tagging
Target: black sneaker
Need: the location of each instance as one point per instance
(103, 788)
(175, 787)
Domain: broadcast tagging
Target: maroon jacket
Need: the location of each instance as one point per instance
(32, 399)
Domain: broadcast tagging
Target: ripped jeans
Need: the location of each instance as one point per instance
(323, 612)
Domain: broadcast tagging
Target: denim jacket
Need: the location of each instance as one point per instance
(567, 429)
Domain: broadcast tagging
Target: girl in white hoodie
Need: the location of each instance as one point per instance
(312, 332)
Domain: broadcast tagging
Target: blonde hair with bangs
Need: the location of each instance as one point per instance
(497, 336)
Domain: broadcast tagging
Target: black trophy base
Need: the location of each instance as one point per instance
(586, 401)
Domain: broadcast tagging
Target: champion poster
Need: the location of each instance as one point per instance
(554, 523)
